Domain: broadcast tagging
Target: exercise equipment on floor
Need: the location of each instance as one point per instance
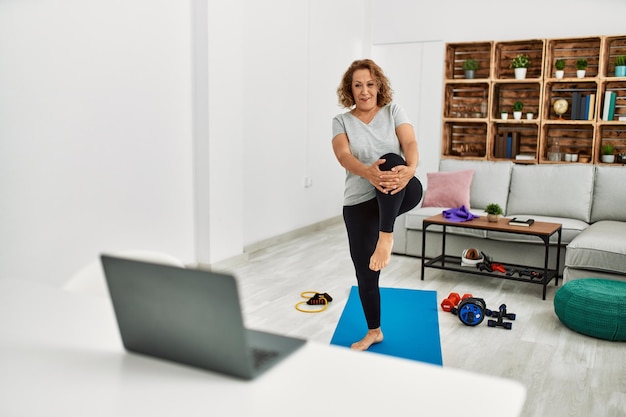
(453, 300)
(314, 298)
(472, 311)
(500, 315)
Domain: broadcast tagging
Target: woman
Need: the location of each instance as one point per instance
(380, 185)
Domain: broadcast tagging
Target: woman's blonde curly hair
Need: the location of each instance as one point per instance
(344, 91)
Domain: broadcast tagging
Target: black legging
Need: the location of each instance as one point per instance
(363, 222)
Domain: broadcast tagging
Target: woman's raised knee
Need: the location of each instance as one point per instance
(391, 160)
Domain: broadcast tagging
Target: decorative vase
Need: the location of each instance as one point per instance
(609, 159)
(470, 74)
(620, 71)
(559, 74)
(580, 73)
(493, 218)
(517, 115)
(520, 73)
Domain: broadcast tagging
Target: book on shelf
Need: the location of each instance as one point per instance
(612, 106)
(609, 101)
(509, 144)
(575, 105)
(521, 221)
(583, 108)
(500, 146)
(592, 107)
(525, 157)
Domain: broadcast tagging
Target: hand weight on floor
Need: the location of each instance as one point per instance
(450, 303)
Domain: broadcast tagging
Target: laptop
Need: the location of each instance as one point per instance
(189, 316)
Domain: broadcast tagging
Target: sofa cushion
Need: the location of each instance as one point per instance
(490, 183)
(557, 190)
(609, 197)
(602, 247)
(448, 189)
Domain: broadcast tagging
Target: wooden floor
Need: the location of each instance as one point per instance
(566, 374)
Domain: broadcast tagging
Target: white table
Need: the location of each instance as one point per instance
(61, 355)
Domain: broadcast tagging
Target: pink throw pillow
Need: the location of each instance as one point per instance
(448, 189)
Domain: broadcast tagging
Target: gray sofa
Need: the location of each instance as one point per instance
(588, 200)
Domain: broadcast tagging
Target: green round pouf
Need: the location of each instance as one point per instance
(593, 306)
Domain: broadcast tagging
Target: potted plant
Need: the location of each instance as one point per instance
(470, 66)
(517, 110)
(560, 68)
(620, 65)
(608, 153)
(520, 65)
(581, 67)
(494, 211)
(504, 114)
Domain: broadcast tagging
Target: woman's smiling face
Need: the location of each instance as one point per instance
(364, 90)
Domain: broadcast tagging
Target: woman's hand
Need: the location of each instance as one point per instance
(389, 182)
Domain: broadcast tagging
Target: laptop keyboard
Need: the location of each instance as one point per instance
(261, 356)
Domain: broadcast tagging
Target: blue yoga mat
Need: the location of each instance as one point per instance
(409, 323)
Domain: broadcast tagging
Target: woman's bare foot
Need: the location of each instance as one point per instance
(382, 253)
(373, 336)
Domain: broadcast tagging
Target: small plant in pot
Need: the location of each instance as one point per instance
(560, 68)
(520, 65)
(470, 66)
(620, 65)
(517, 110)
(581, 67)
(608, 153)
(494, 211)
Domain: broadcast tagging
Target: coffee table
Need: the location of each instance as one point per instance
(542, 230)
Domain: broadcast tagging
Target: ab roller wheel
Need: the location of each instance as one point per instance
(471, 311)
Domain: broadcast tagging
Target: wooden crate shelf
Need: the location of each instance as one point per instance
(524, 137)
(505, 94)
(619, 88)
(471, 131)
(555, 90)
(466, 100)
(614, 46)
(506, 51)
(611, 135)
(457, 53)
(571, 50)
(572, 138)
(465, 139)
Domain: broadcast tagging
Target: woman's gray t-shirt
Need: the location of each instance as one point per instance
(368, 142)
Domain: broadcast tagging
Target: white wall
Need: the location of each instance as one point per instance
(182, 127)
(95, 133)
(294, 59)
(477, 20)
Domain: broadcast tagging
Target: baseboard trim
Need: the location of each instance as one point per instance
(266, 243)
(292, 234)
